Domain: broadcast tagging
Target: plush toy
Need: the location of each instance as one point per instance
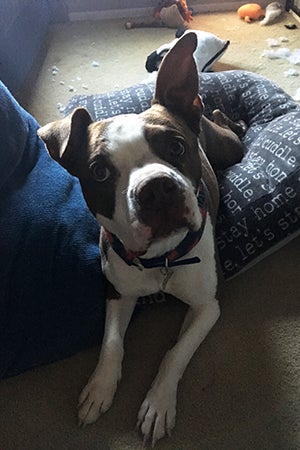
(253, 11)
(250, 12)
(168, 13)
(273, 10)
(181, 6)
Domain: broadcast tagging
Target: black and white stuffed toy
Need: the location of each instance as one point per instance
(209, 49)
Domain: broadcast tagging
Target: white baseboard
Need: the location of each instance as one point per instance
(110, 14)
(217, 7)
(295, 15)
(147, 12)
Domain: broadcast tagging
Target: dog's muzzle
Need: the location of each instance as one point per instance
(160, 204)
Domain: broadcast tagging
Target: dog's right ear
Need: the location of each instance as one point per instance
(65, 138)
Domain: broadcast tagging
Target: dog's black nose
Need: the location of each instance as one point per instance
(160, 204)
(158, 192)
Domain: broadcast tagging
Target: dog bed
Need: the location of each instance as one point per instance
(260, 196)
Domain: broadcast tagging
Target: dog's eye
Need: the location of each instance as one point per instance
(177, 147)
(99, 172)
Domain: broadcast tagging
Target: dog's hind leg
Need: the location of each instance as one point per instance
(221, 119)
(220, 140)
(98, 394)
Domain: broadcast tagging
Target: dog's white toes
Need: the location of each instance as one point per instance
(156, 417)
(83, 396)
(160, 429)
(147, 422)
(142, 412)
(89, 412)
(170, 422)
(95, 399)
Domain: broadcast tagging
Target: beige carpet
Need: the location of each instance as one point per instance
(242, 389)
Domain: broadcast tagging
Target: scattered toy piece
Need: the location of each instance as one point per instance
(60, 107)
(168, 13)
(54, 70)
(253, 11)
(284, 53)
(250, 12)
(84, 86)
(273, 42)
(280, 53)
(297, 95)
(273, 11)
(290, 73)
(290, 26)
(95, 64)
(295, 57)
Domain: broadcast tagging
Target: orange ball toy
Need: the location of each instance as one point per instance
(250, 11)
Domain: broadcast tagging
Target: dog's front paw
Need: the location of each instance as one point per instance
(95, 399)
(156, 417)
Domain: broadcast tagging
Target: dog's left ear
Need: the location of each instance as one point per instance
(177, 85)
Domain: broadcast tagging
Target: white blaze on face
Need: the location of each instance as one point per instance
(131, 155)
(128, 149)
(126, 140)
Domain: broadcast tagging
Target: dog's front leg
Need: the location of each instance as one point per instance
(98, 394)
(158, 411)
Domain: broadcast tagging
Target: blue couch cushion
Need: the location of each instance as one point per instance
(52, 292)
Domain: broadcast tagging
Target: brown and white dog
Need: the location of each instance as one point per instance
(147, 180)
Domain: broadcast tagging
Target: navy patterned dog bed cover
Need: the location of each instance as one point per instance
(260, 196)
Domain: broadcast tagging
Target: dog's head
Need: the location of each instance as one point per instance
(139, 173)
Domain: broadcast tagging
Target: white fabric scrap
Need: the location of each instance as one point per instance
(280, 53)
(291, 73)
(54, 70)
(297, 95)
(295, 57)
(60, 107)
(284, 53)
(273, 43)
